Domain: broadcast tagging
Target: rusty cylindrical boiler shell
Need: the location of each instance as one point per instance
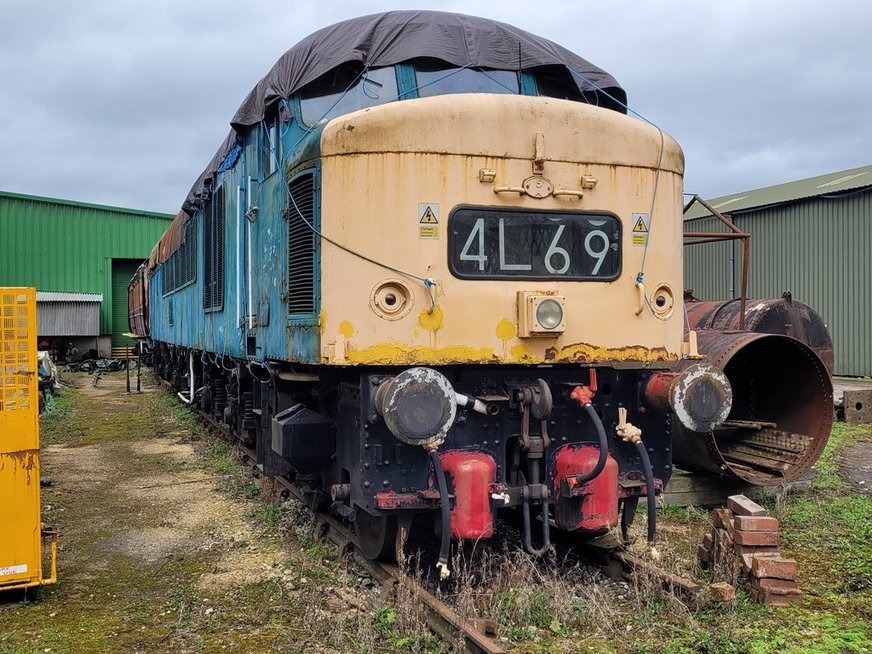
(780, 316)
(782, 410)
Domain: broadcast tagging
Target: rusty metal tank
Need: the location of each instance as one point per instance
(781, 415)
(779, 316)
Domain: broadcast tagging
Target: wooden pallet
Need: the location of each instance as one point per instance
(119, 352)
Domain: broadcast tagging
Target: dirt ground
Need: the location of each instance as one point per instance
(166, 545)
(857, 465)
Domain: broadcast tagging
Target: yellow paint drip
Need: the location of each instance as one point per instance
(506, 330)
(346, 329)
(322, 322)
(431, 321)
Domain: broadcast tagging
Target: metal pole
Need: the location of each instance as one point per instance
(127, 366)
(139, 367)
(745, 264)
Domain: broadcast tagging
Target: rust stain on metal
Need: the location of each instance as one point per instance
(783, 315)
(23, 459)
(586, 352)
(776, 380)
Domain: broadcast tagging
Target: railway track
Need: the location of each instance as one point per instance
(471, 636)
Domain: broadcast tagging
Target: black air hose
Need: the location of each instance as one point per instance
(445, 505)
(603, 444)
(652, 500)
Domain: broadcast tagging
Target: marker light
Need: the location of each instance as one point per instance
(549, 314)
(541, 314)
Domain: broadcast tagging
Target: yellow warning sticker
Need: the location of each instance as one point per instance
(641, 227)
(428, 220)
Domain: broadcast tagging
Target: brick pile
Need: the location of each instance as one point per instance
(743, 543)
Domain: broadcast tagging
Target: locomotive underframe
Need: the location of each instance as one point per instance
(340, 450)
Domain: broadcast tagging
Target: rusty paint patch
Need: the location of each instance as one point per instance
(395, 354)
(520, 352)
(586, 353)
(26, 460)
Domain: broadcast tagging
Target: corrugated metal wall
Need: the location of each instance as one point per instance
(122, 273)
(68, 318)
(69, 246)
(707, 266)
(820, 249)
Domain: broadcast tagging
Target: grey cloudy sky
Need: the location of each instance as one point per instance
(125, 102)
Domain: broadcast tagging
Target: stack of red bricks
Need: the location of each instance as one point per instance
(744, 542)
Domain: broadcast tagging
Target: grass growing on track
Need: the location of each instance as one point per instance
(110, 457)
(314, 603)
(828, 529)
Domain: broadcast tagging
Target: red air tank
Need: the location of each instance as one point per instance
(591, 506)
(472, 474)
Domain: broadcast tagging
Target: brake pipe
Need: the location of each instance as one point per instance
(445, 506)
(469, 402)
(584, 396)
(632, 434)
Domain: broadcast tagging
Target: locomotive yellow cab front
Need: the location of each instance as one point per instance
(501, 201)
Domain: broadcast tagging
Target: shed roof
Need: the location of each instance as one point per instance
(55, 296)
(828, 185)
(86, 205)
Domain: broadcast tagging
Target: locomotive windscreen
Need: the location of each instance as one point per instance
(490, 243)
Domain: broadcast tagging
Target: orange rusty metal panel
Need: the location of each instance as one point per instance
(22, 533)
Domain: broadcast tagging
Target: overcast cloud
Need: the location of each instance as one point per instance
(125, 102)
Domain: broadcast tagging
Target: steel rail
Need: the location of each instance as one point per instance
(440, 618)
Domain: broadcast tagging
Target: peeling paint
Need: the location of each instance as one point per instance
(520, 352)
(395, 354)
(346, 329)
(587, 353)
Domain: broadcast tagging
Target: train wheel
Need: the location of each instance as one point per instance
(376, 535)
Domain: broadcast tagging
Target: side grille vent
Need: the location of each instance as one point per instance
(213, 252)
(180, 269)
(301, 245)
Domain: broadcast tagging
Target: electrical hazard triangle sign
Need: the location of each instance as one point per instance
(428, 217)
(640, 227)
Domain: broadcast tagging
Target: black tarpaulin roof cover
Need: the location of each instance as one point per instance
(391, 38)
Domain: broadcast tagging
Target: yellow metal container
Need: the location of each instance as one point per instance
(21, 531)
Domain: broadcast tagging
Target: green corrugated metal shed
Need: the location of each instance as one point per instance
(812, 237)
(62, 245)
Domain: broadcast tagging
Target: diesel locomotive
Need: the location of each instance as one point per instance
(435, 272)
